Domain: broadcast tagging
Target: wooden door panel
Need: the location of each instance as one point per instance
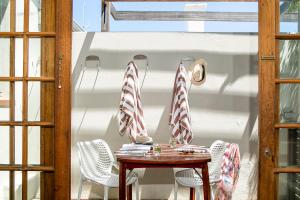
(266, 99)
(279, 101)
(33, 124)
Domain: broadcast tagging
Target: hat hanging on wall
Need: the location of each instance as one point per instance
(197, 72)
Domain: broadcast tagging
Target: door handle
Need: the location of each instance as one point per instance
(60, 60)
(268, 152)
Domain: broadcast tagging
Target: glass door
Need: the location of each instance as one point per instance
(29, 84)
(288, 99)
(279, 168)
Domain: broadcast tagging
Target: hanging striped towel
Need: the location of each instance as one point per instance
(229, 172)
(180, 121)
(131, 114)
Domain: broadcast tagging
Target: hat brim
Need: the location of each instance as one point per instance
(203, 64)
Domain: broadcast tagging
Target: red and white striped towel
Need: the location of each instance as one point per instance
(229, 172)
(180, 121)
(131, 114)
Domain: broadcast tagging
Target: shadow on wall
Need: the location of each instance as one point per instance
(225, 107)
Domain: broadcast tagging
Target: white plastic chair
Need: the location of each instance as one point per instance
(189, 178)
(96, 164)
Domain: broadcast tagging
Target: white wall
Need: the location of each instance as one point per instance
(225, 107)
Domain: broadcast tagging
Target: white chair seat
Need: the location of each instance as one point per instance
(112, 180)
(96, 164)
(190, 178)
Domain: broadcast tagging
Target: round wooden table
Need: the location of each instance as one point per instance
(167, 159)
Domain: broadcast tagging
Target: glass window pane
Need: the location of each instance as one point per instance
(4, 16)
(34, 146)
(19, 15)
(288, 186)
(4, 101)
(4, 185)
(19, 57)
(34, 100)
(34, 57)
(35, 97)
(289, 16)
(289, 59)
(18, 145)
(18, 185)
(35, 16)
(4, 144)
(289, 103)
(18, 101)
(289, 147)
(4, 52)
(33, 185)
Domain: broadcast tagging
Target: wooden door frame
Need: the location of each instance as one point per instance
(267, 150)
(267, 146)
(269, 89)
(62, 141)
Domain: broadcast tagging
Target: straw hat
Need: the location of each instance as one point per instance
(143, 139)
(197, 72)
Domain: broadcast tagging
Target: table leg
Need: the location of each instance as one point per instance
(122, 182)
(206, 185)
(192, 193)
(129, 192)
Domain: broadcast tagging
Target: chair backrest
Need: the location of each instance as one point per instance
(95, 158)
(217, 152)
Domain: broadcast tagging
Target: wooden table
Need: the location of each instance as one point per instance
(167, 159)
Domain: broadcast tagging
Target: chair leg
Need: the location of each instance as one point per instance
(175, 190)
(129, 192)
(212, 197)
(80, 189)
(106, 188)
(192, 193)
(137, 192)
(197, 188)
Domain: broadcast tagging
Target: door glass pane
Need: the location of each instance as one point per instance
(19, 15)
(18, 185)
(4, 61)
(35, 16)
(4, 144)
(34, 99)
(4, 185)
(4, 16)
(33, 185)
(289, 16)
(289, 147)
(288, 186)
(4, 101)
(34, 53)
(34, 145)
(289, 59)
(289, 103)
(18, 101)
(18, 145)
(19, 57)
